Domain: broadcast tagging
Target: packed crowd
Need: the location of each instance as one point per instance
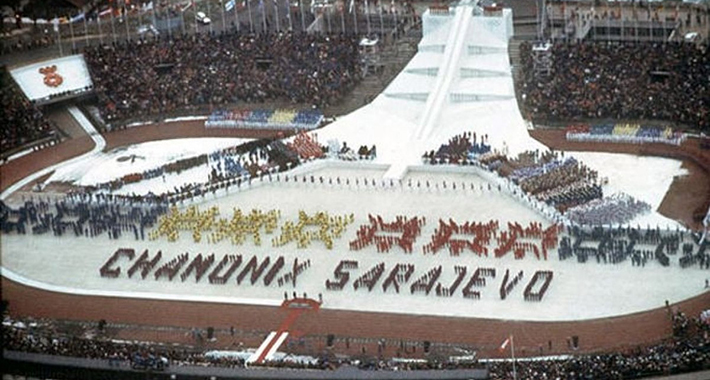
(149, 78)
(687, 351)
(42, 337)
(21, 121)
(593, 80)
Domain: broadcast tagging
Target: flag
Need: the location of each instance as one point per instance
(504, 344)
(229, 5)
(105, 12)
(76, 18)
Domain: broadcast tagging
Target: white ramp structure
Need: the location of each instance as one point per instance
(459, 81)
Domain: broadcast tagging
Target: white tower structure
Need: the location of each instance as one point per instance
(459, 81)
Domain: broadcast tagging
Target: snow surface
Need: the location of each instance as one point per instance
(138, 158)
(72, 68)
(82, 257)
(644, 178)
(396, 126)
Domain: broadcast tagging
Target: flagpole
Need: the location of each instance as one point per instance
(125, 21)
(288, 9)
(262, 7)
(353, 9)
(101, 33)
(512, 355)
(168, 15)
(396, 25)
(608, 28)
(152, 15)
(59, 35)
(251, 22)
(327, 15)
(303, 19)
(564, 22)
(113, 27)
(236, 14)
(621, 19)
(209, 15)
(197, 30)
(276, 15)
(182, 18)
(636, 22)
(224, 21)
(367, 14)
(650, 23)
(342, 19)
(86, 33)
(382, 26)
(663, 24)
(71, 30)
(140, 16)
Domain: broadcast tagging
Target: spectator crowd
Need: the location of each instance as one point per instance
(687, 350)
(137, 79)
(21, 121)
(599, 80)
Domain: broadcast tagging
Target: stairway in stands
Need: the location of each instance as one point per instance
(514, 54)
(394, 57)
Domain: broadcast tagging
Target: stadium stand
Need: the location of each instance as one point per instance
(686, 351)
(619, 81)
(140, 79)
(22, 123)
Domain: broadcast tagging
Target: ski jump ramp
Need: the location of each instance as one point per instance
(459, 81)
